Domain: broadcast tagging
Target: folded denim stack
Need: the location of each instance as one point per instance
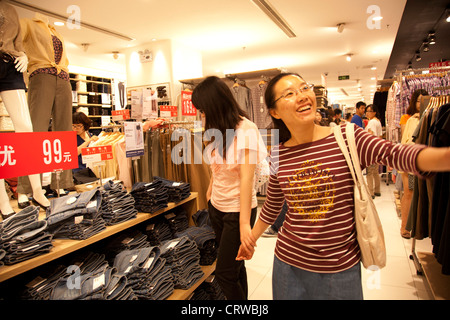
(149, 196)
(40, 288)
(209, 290)
(127, 240)
(146, 272)
(178, 221)
(92, 279)
(76, 216)
(23, 236)
(177, 191)
(117, 204)
(183, 257)
(158, 232)
(205, 238)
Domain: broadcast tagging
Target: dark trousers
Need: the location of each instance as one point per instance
(230, 274)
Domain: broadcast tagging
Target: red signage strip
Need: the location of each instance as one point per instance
(96, 154)
(187, 108)
(25, 153)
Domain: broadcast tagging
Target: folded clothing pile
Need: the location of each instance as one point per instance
(209, 290)
(127, 240)
(183, 257)
(158, 232)
(92, 279)
(149, 197)
(147, 273)
(23, 236)
(76, 216)
(117, 204)
(177, 191)
(178, 221)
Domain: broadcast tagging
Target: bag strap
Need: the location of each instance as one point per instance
(343, 147)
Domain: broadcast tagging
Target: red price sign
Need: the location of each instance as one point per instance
(25, 153)
(168, 111)
(96, 154)
(118, 115)
(187, 108)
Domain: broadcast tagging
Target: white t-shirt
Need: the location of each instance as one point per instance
(375, 126)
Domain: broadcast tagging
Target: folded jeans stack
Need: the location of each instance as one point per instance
(76, 216)
(178, 221)
(177, 191)
(209, 290)
(127, 240)
(205, 238)
(23, 236)
(92, 279)
(146, 272)
(158, 232)
(183, 257)
(149, 197)
(117, 204)
(40, 288)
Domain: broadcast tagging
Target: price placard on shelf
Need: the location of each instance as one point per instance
(96, 154)
(25, 153)
(118, 115)
(187, 108)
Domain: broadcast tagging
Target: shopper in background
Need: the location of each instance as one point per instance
(348, 117)
(317, 255)
(232, 202)
(359, 113)
(408, 123)
(338, 116)
(81, 124)
(374, 128)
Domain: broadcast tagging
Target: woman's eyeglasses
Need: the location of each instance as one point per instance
(289, 94)
(78, 126)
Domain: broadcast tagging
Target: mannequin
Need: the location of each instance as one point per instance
(49, 90)
(12, 91)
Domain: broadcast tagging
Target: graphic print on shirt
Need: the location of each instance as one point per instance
(311, 191)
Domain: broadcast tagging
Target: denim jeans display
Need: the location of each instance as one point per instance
(208, 290)
(76, 216)
(117, 204)
(183, 257)
(158, 232)
(178, 221)
(149, 196)
(146, 272)
(23, 236)
(177, 191)
(128, 240)
(203, 234)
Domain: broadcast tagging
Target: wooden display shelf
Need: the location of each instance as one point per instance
(179, 294)
(438, 282)
(62, 247)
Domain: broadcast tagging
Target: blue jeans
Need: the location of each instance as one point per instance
(291, 283)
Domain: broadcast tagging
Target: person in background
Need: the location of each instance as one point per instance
(408, 123)
(359, 113)
(81, 124)
(348, 117)
(338, 116)
(232, 202)
(374, 128)
(317, 255)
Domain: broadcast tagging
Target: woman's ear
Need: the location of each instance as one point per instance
(274, 113)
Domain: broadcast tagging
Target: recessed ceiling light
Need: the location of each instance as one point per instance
(378, 18)
(373, 68)
(59, 23)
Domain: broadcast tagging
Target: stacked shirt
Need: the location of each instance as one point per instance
(146, 272)
(149, 197)
(117, 204)
(23, 236)
(76, 216)
(183, 258)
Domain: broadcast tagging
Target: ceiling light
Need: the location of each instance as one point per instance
(340, 27)
(378, 18)
(410, 65)
(349, 57)
(426, 48)
(448, 15)
(418, 57)
(59, 23)
(270, 11)
(373, 68)
(431, 38)
(373, 78)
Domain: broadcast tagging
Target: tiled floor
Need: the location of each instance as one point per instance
(397, 281)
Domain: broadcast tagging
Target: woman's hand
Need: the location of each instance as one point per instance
(243, 254)
(21, 63)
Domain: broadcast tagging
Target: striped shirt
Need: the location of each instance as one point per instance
(318, 234)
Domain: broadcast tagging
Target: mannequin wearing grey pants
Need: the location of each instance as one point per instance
(49, 97)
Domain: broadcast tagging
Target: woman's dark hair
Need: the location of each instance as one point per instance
(412, 109)
(214, 98)
(269, 97)
(81, 118)
(374, 108)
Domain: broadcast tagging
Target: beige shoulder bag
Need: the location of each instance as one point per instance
(369, 231)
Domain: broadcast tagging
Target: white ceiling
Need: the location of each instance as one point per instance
(236, 36)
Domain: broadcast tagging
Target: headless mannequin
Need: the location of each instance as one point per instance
(14, 97)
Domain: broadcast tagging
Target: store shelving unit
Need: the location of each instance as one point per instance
(62, 247)
(93, 93)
